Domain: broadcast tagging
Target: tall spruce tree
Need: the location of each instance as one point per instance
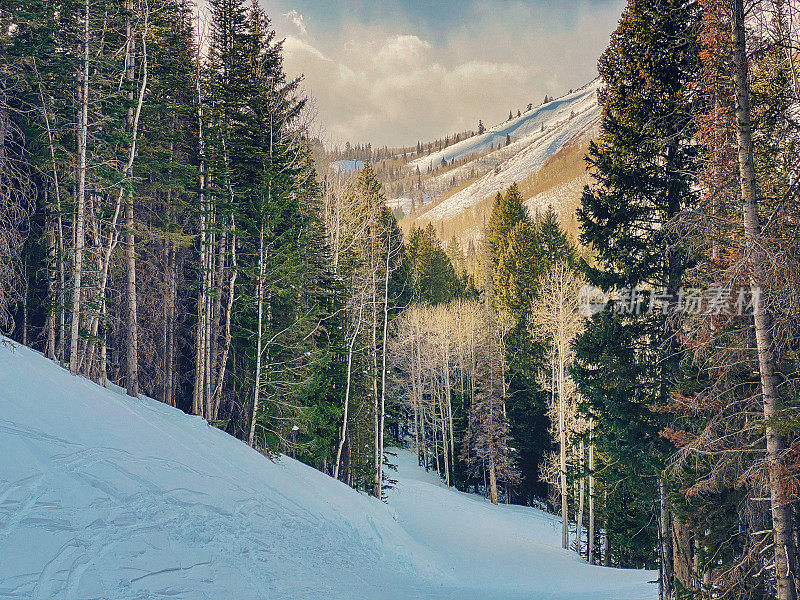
(642, 167)
(433, 273)
(556, 246)
(507, 211)
(516, 260)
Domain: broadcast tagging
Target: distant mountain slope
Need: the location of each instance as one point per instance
(528, 125)
(105, 496)
(535, 136)
(557, 184)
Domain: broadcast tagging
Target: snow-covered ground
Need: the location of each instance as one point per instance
(104, 496)
(535, 136)
(347, 166)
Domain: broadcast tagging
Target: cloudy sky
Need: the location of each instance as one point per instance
(396, 71)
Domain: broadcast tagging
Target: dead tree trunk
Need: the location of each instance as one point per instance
(376, 400)
(492, 481)
(199, 370)
(562, 446)
(781, 514)
(132, 119)
(80, 198)
(54, 250)
(581, 494)
(382, 425)
(591, 502)
(666, 585)
(52, 298)
(228, 311)
(169, 318)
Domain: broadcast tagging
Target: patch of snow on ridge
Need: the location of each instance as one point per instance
(347, 166)
(528, 124)
(536, 135)
(106, 496)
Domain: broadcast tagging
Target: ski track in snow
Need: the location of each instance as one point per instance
(104, 496)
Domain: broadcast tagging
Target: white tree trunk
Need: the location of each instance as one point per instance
(200, 366)
(562, 448)
(383, 366)
(376, 399)
(581, 493)
(448, 417)
(80, 199)
(343, 435)
(259, 341)
(228, 312)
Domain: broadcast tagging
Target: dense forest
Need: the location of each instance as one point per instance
(165, 226)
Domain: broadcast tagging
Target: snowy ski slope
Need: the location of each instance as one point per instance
(536, 135)
(104, 496)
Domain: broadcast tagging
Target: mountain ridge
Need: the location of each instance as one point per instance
(534, 140)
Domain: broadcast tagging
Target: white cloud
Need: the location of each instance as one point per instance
(390, 91)
(296, 19)
(402, 52)
(300, 50)
(390, 83)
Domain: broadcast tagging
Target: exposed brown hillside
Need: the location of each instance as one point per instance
(558, 183)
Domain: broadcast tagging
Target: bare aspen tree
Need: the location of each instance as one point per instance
(228, 311)
(351, 346)
(382, 426)
(447, 407)
(374, 265)
(199, 374)
(259, 337)
(556, 320)
(421, 353)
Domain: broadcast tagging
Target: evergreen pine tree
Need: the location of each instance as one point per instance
(555, 244)
(507, 211)
(434, 275)
(642, 167)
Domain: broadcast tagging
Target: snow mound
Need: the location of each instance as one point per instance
(105, 496)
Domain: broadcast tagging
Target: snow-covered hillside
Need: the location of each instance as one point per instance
(535, 136)
(347, 166)
(104, 496)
